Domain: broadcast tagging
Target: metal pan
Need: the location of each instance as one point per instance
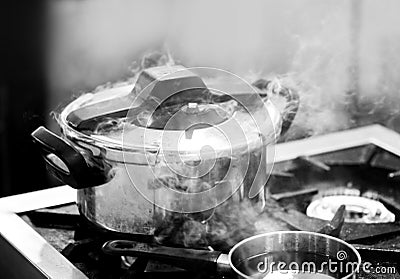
(283, 254)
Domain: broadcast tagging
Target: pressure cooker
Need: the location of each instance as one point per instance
(180, 154)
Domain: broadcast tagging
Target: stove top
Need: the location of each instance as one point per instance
(44, 234)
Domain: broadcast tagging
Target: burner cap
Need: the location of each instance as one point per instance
(358, 209)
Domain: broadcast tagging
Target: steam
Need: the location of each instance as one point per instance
(95, 42)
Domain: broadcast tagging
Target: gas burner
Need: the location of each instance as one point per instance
(358, 209)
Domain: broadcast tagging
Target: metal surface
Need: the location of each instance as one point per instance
(353, 233)
(31, 256)
(38, 259)
(137, 139)
(190, 259)
(313, 163)
(293, 194)
(199, 146)
(288, 246)
(374, 134)
(382, 253)
(334, 227)
(171, 80)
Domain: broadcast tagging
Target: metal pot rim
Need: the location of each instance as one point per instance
(239, 244)
(111, 147)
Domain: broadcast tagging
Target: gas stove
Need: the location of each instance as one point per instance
(43, 235)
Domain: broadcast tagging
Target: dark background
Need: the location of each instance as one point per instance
(23, 95)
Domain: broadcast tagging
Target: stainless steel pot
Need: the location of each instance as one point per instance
(178, 142)
(286, 254)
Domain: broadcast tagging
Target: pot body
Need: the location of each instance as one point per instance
(129, 200)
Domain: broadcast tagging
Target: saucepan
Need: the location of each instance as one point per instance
(282, 254)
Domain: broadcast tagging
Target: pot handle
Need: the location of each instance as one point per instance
(190, 259)
(65, 162)
(292, 103)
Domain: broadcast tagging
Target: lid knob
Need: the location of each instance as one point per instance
(195, 116)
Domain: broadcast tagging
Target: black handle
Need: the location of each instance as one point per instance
(73, 170)
(292, 103)
(189, 259)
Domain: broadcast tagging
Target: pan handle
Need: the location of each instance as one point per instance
(189, 259)
(65, 162)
